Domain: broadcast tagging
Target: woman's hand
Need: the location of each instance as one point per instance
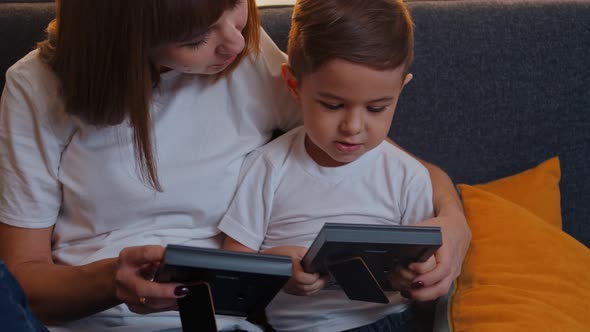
(430, 285)
(136, 267)
(300, 283)
(455, 239)
(403, 278)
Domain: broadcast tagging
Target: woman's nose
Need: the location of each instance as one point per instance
(232, 42)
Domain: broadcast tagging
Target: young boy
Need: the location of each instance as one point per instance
(349, 61)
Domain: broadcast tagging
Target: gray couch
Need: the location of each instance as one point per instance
(499, 86)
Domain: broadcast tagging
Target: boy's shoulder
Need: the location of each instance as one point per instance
(400, 159)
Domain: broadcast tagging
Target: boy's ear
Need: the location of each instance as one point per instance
(407, 79)
(290, 80)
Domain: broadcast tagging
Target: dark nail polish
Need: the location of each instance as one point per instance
(406, 294)
(180, 291)
(417, 285)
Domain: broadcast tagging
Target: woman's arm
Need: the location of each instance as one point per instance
(455, 237)
(59, 293)
(56, 292)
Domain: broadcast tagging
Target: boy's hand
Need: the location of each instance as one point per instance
(300, 283)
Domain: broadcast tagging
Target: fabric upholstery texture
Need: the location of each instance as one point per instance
(22, 25)
(521, 271)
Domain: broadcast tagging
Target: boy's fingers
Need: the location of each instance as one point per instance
(306, 278)
(404, 273)
(440, 272)
(302, 277)
(310, 289)
(420, 268)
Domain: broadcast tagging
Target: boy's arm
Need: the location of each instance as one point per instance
(300, 283)
(229, 243)
(247, 217)
(455, 232)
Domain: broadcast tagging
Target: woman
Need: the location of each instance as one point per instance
(125, 131)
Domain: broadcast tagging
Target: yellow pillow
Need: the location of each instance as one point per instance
(536, 189)
(521, 273)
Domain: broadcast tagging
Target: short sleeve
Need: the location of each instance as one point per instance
(30, 115)
(417, 203)
(248, 215)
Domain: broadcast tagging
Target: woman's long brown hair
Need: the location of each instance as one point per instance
(100, 51)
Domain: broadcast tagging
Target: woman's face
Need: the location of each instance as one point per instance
(209, 53)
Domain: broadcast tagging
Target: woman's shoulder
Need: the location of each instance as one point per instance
(32, 96)
(267, 61)
(32, 71)
(31, 64)
(270, 50)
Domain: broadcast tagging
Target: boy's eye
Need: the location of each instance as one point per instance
(374, 109)
(330, 106)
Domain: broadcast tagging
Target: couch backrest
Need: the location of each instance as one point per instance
(22, 25)
(498, 87)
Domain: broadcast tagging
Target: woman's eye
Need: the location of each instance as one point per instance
(373, 109)
(197, 44)
(330, 106)
(198, 41)
(236, 4)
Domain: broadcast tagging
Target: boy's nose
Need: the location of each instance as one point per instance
(352, 123)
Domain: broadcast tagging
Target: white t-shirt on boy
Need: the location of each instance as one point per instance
(284, 198)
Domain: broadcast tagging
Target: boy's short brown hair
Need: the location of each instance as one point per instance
(376, 33)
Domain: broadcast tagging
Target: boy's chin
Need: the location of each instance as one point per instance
(340, 161)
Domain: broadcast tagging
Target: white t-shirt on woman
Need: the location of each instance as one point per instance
(57, 171)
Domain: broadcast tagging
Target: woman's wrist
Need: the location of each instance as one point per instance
(105, 272)
(75, 292)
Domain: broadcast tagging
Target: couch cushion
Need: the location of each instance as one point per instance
(536, 189)
(521, 271)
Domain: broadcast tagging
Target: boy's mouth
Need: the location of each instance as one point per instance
(346, 146)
